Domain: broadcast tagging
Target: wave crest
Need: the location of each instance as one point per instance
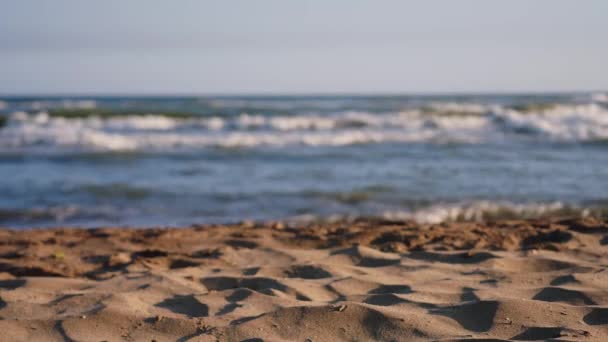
(435, 124)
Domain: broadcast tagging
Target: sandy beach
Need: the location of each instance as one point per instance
(311, 171)
(363, 280)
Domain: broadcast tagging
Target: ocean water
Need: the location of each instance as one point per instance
(156, 161)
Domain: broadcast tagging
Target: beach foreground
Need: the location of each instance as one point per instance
(359, 280)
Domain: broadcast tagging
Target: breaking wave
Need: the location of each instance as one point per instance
(435, 123)
(57, 215)
(490, 210)
(477, 211)
(600, 97)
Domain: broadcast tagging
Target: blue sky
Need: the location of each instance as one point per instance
(331, 46)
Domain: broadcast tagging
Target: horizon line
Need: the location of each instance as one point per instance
(295, 94)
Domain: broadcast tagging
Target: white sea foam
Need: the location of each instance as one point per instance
(477, 211)
(409, 120)
(599, 97)
(566, 123)
(563, 122)
(459, 107)
(79, 137)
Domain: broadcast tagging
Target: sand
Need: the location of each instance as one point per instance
(366, 280)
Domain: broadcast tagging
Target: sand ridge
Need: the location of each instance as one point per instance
(360, 280)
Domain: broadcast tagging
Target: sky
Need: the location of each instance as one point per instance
(306, 46)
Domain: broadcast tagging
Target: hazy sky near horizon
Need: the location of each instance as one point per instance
(278, 46)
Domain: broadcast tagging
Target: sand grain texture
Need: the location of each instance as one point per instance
(363, 280)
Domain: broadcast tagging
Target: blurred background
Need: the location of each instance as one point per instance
(151, 113)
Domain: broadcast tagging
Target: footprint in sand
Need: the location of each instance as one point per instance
(307, 272)
(477, 316)
(186, 305)
(598, 316)
(563, 280)
(546, 333)
(11, 284)
(558, 294)
(386, 299)
(383, 289)
(451, 258)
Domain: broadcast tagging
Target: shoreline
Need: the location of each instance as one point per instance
(366, 279)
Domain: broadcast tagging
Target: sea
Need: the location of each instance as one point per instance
(180, 160)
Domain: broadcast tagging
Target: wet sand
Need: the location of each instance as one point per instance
(364, 280)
